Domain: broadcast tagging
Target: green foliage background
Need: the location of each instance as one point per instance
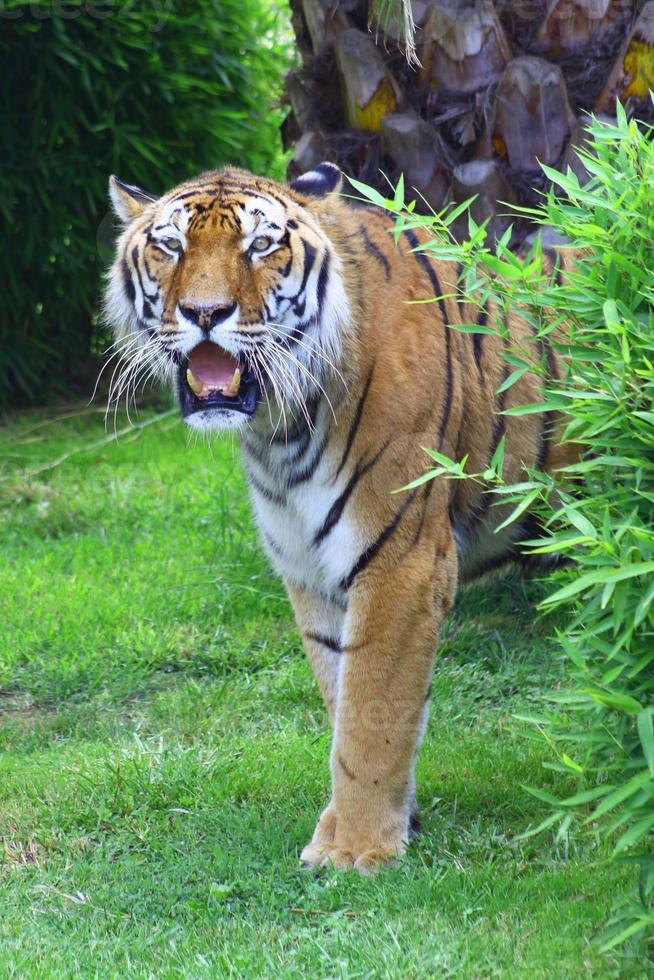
(152, 92)
(600, 726)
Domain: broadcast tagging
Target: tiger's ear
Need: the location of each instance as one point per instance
(324, 179)
(127, 200)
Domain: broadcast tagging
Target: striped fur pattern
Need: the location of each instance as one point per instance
(353, 382)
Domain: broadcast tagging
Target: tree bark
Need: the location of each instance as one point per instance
(414, 148)
(500, 91)
(531, 119)
(369, 90)
(632, 77)
(464, 47)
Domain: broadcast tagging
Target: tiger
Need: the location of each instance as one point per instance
(297, 319)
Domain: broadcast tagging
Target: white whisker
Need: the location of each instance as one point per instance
(276, 356)
(137, 363)
(119, 353)
(278, 394)
(285, 352)
(315, 349)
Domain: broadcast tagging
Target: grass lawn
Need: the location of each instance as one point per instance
(164, 752)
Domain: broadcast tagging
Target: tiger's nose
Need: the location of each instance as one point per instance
(207, 315)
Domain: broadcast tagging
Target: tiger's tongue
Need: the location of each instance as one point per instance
(212, 364)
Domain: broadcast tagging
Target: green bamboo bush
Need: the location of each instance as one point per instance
(154, 92)
(600, 727)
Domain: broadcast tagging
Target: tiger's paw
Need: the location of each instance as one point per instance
(365, 860)
(323, 837)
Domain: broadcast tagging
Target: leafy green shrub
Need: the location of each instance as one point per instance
(154, 92)
(604, 726)
(601, 728)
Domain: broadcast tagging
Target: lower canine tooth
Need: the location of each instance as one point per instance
(194, 383)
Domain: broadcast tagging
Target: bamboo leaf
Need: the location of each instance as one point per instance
(544, 825)
(536, 408)
(645, 723)
(599, 577)
(619, 795)
(635, 833)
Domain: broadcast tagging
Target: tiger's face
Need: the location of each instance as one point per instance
(230, 287)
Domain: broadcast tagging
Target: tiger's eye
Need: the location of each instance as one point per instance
(261, 243)
(172, 244)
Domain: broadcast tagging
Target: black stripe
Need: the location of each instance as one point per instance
(233, 184)
(272, 544)
(298, 332)
(229, 221)
(186, 194)
(322, 282)
(477, 338)
(552, 366)
(555, 259)
(274, 498)
(227, 183)
(546, 355)
(296, 442)
(373, 549)
(147, 267)
(499, 428)
(458, 341)
(377, 212)
(284, 241)
(128, 285)
(425, 501)
(202, 183)
(296, 301)
(422, 259)
(301, 443)
(286, 271)
(376, 252)
(257, 452)
(301, 429)
(490, 565)
(543, 449)
(135, 259)
(355, 422)
(309, 258)
(223, 185)
(325, 641)
(248, 334)
(301, 476)
(336, 510)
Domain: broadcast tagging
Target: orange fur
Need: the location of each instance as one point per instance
(405, 380)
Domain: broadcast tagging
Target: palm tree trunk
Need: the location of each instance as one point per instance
(501, 86)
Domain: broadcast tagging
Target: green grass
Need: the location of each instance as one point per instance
(164, 753)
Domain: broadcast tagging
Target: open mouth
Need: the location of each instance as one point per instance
(211, 379)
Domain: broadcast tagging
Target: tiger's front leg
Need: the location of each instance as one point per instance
(320, 622)
(390, 634)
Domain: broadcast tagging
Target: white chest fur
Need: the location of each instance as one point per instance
(294, 488)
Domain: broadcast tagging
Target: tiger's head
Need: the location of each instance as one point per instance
(230, 287)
